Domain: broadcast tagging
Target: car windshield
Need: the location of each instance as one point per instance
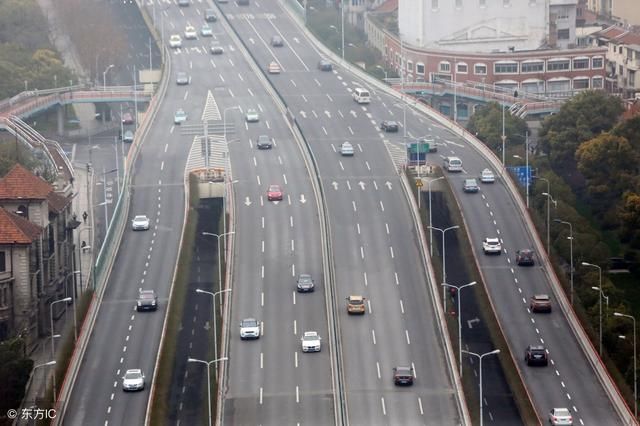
(355, 301)
(562, 412)
(274, 188)
(249, 323)
(132, 375)
(146, 295)
(403, 371)
(140, 218)
(310, 337)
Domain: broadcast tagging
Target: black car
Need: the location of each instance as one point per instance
(305, 283)
(325, 65)
(536, 355)
(524, 257)
(276, 41)
(147, 301)
(183, 3)
(389, 126)
(403, 376)
(210, 15)
(264, 142)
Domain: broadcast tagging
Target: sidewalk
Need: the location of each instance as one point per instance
(64, 325)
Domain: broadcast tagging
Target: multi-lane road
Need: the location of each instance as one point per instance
(376, 251)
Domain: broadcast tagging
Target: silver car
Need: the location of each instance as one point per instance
(133, 380)
(182, 78)
(140, 223)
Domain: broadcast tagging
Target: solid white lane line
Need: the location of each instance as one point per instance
(366, 283)
(258, 178)
(358, 226)
(413, 366)
(294, 297)
(261, 360)
(262, 218)
(378, 368)
(369, 306)
(285, 178)
(397, 281)
(362, 252)
(291, 221)
(406, 333)
(349, 185)
(420, 406)
(401, 306)
(262, 298)
(375, 185)
(391, 251)
(295, 357)
(293, 270)
(262, 272)
(295, 327)
(260, 395)
(162, 165)
(262, 246)
(373, 336)
(381, 205)
(366, 163)
(297, 395)
(384, 409)
(341, 165)
(386, 225)
(353, 203)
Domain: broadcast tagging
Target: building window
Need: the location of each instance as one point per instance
(597, 62)
(558, 65)
(564, 34)
(410, 66)
(533, 66)
(505, 68)
(480, 69)
(462, 68)
(581, 64)
(420, 68)
(580, 83)
(3, 262)
(444, 66)
(597, 83)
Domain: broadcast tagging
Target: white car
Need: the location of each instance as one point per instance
(249, 329)
(560, 417)
(487, 176)
(346, 149)
(180, 116)
(140, 223)
(491, 246)
(175, 41)
(190, 33)
(252, 116)
(273, 68)
(206, 31)
(310, 341)
(133, 380)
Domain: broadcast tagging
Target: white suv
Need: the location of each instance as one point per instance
(491, 246)
(249, 329)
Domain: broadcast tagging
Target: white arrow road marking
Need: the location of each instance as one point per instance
(247, 202)
(454, 143)
(388, 184)
(335, 185)
(327, 113)
(361, 183)
(303, 114)
(472, 321)
(296, 40)
(302, 199)
(353, 113)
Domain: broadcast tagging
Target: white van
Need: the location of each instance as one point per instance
(453, 164)
(361, 95)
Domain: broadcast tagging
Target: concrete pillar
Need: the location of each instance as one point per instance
(60, 117)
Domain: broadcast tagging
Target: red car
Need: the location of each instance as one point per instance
(274, 193)
(127, 118)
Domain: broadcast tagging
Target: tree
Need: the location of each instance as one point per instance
(608, 164)
(583, 117)
(486, 124)
(14, 373)
(630, 218)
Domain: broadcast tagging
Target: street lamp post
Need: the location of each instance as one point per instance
(455, 91)
(53, 348)
(635, 376)
(444, 262)
(342, 25)
(497, 351)
(46, 364)
(599, 289)
(526, 162)
(570, 238)
(504, 136)
(208, 364)
(218, 236)
(215, 323)
(431, 224)
(226, 143)
(555, 205)
(104, 77)
(459, 296)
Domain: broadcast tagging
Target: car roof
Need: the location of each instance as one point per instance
(402, 369)
(561, 410)
(541, 296)
(471, 180)
(140, 216)
(249, 320)
(133, 371)
(492, 239)
(536, 348)
(274, 187)
(310, 334)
